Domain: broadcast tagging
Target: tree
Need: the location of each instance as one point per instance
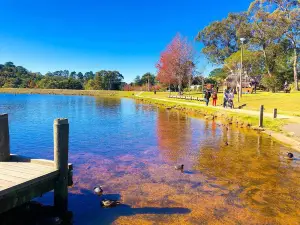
(165, 70)
(218, 74)
(9, 65)
(89, 75)
(73, 74)
(177, 62)
(253, 62)
(263, 35)
(98, 81)
(148, 79)
(221, 38)
(80, 76)
(289, 10)
(111, 80)
(137, 81)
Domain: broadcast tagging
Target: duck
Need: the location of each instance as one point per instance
(98, 190)
(290, 155)
(106, 203)
(179, 167)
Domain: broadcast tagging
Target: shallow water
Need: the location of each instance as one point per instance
(131, 150)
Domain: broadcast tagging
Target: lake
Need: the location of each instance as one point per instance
(131, 149)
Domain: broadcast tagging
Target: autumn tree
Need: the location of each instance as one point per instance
(164, 69)
(176, 62)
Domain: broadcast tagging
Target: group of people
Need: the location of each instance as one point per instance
(228, 97)
(211, 93)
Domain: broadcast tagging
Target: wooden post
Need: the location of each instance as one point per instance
(61, 147)
(261, 116)
(275, 113)
(4, 138)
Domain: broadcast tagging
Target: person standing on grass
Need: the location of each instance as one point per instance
(230, 98)
(214, 97)
(207, 96)
(225, 98)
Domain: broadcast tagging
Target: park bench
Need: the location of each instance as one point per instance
(186, 97)
(248, 90)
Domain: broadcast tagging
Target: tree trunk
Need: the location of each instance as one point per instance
(266, 62)
(179, 87)
(295, 69)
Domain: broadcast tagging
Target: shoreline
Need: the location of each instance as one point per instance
(272, 127)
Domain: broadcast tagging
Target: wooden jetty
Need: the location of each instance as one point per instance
(22, 179)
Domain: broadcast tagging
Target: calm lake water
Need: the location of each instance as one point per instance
(131, 150)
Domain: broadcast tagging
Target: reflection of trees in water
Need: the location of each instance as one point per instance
(173, 133)
(252, 167)
(108, 102)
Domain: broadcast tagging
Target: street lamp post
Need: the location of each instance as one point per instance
(241, 72)
(148, 82)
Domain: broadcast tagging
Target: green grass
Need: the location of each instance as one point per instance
(286, 103)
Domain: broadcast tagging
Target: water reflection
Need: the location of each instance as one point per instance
(253, 168)
(173, 134)
(232, 176)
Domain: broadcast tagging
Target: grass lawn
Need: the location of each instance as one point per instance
(286, 103)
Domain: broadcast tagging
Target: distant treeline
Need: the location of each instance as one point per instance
(12, 76)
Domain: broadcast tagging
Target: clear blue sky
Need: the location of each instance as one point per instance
(86, 35)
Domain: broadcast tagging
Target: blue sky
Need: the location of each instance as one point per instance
(92, 35)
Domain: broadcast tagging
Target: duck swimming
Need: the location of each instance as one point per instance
(98, 190)
(106, 203)
(290, 155)
(179, 167)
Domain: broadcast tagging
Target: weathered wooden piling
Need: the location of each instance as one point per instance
(61, 148)
(4, 138)
(23, 179)
(275, 113)
(261, 116)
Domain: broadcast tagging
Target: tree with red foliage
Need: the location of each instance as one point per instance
(176, 63)
(127, 87)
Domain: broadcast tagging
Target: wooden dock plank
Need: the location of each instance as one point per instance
(12, 178)
(19, 174)
(5, 184)
(15, 174)
(35, 167)
(28, 182)
(24, 170)
(21, 193)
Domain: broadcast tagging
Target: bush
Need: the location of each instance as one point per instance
(272, 83)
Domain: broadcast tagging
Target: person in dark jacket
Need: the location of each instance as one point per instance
(207, 96)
